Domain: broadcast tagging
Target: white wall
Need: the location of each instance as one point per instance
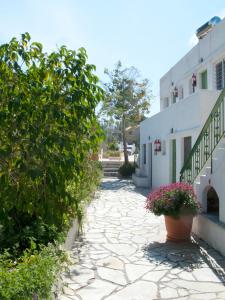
(215, 179)
(212, 232)
(186, 118)
(210, 49)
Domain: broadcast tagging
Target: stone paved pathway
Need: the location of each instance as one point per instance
(123, 255)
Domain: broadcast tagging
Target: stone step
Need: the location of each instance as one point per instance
(110, 174)
(111, 165)
(110, 169)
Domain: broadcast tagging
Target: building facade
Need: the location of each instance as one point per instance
(188, 93)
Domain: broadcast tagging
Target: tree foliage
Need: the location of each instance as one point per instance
(127, 97)
(48, 128)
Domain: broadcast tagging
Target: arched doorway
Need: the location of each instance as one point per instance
(212, 202)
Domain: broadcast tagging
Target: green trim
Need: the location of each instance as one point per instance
(174, 161)
(208, 139)
(204, 80)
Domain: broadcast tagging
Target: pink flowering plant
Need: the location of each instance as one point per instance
(174, 200)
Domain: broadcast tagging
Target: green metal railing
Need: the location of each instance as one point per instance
(208, 139)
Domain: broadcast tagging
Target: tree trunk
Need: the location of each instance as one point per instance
(124, 141)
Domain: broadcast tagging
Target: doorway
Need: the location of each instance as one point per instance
(187, 147)
(212, 202)
(174, 161)
(150, 162)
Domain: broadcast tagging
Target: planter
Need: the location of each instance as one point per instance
(179, 230)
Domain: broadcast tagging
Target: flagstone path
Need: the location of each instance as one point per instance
(123, 254)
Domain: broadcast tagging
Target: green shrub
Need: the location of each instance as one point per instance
(111, 154)
(81, 190)
(32, 274)
(48, 128)
(113, 147)
(126, 170)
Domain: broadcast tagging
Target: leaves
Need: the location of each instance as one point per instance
(126, 94)
(48, 128)
(127, 97)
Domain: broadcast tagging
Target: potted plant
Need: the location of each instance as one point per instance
(178, 203)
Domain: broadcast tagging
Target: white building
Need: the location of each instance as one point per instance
(188, 93)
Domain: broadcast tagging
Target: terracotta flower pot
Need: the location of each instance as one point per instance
(178, 230)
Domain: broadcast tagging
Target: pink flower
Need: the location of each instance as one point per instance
(170, 199)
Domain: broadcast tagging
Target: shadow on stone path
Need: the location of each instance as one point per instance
(123, 254)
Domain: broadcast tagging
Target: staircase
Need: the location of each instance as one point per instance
(205, 169)
(202, 153)
(110, 168)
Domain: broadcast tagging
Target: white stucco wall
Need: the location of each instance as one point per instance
(209, 51)
(186, 118)
(215, 179)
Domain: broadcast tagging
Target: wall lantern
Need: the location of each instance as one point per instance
(157, 146)
(175, 92)
(194, 81)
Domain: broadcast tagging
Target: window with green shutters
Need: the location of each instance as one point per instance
(204, 80)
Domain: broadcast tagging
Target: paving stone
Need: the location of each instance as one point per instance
(200, 287)
(123, 254)
(182, 292)
(96, 290)
(121, 249)
(186, 275)
(81, 275)
(168, 293)
(114, 276)
(111, 262)
(204, 296)
(140, 290)
(63, 297)
(205, 274)
(68, 291)
(136, 271)
(155, 276)
(76, 286)
(222, 295)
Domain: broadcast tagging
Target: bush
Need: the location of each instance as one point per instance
(126, 170)
(113, 147)
(33, 274)
(111, 154)
(81, 190)
(48, 128)
(173, 200)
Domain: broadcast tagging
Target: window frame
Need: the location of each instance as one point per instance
(220, 85)
(204, 85)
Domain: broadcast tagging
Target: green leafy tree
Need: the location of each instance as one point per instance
(127, 98)
(48, 128)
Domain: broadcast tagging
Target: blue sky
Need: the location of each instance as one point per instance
(150, 35)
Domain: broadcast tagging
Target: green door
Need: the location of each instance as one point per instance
(204, 78)
(174, 159)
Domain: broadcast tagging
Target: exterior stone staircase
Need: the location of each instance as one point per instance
(111, 167)
(205, 169)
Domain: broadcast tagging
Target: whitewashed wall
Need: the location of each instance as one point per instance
(209, 50)
(186, 118)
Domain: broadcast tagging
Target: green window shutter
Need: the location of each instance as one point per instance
(204, 79)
